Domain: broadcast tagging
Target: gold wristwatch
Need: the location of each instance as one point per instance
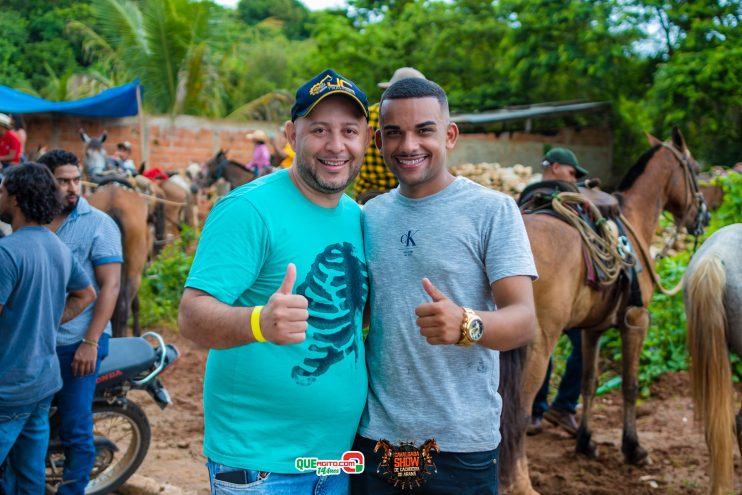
(472, 328)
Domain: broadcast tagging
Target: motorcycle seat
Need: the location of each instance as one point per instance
(127, 357)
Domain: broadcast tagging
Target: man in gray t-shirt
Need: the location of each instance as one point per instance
(451, 285)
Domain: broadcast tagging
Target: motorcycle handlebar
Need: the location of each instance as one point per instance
(160, 365)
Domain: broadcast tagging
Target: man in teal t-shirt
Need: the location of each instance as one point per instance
(277, 292)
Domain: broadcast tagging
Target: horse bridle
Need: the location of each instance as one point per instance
(691, 184)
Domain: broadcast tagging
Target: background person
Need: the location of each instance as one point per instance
(82, 343)
(261, 155)
(10, 144)
(123, 160)
(19, 127)
(41, 285)
(561, 164)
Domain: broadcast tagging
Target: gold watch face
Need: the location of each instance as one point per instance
(476, 329)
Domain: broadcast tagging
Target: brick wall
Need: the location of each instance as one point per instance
(169, 143)
(173, 143)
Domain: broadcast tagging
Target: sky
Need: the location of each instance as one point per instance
(312, 4)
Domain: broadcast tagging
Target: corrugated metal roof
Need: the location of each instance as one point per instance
(530, 112)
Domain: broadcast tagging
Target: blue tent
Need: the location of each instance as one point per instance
(115, 102)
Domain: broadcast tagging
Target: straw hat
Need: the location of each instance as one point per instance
(258, 135)
(402, 73)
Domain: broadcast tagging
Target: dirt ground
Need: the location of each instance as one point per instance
(678, 458)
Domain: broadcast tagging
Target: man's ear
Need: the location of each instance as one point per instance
(452, 134)
(291, 133)
(377, 139)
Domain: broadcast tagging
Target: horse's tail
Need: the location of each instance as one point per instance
(512, 420)
(121, 311)
(710, 373)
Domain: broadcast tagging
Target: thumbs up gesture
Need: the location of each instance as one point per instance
(440, 320)
(284, 319)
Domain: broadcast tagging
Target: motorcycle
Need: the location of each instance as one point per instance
(120, 427)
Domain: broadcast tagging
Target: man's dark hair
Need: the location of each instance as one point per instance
(36, 191)
(415, 87)
(56, 158)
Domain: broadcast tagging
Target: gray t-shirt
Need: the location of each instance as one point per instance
(463, 239)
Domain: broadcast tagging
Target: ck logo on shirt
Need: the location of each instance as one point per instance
(408, 242)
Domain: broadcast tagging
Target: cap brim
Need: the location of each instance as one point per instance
(581, 172)
(335, 92)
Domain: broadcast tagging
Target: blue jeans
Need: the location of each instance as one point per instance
(24, 438)
(75, 409)
(571, 384)
(470, 473)
(263, 483)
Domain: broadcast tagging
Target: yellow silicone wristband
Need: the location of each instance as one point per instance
(255, 324)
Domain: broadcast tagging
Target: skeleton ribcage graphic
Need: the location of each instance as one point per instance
(335, 287)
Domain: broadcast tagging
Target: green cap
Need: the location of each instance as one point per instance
(563, 156)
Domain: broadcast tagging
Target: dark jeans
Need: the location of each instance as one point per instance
(470, 473)
(75, 409)
(570, 386)
(24, 438)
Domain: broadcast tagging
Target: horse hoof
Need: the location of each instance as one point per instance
(638, 457)
(588, 448)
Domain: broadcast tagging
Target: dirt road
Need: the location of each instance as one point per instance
(677, 451)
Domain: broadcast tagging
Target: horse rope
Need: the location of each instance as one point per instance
(647, 262)
(603, 246)
(148, 197)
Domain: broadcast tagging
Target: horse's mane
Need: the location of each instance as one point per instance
(638, 169)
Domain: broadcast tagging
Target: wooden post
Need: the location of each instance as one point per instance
(144, 152)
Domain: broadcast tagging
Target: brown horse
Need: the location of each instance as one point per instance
(662, 179)
(178, 209)
(231, 171)
(713, 305)
(129, 210)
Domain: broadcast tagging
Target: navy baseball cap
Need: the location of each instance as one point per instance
(324, 84)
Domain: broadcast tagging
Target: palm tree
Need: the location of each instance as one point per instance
(164, 43)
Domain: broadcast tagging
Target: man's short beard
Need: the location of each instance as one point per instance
(312, 180)
(6, 217)
(68, 208)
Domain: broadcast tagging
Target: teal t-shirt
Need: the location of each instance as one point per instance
(265, 404)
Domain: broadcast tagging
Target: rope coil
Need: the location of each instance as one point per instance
(602, 246)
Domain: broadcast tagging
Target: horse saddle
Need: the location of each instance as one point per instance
(539, 198)
(540, 194)
(607, 204)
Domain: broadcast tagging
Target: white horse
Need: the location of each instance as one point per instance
(713, 305)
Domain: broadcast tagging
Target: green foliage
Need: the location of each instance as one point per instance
(665, 344)
(292, 15)
(163, 282)
(14, 29)
(199, 58)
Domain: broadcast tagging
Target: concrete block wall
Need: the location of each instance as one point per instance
(593, 147)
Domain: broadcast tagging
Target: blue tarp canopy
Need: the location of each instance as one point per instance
(115, 102)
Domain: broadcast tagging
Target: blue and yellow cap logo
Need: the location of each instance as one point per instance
(324, 84)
